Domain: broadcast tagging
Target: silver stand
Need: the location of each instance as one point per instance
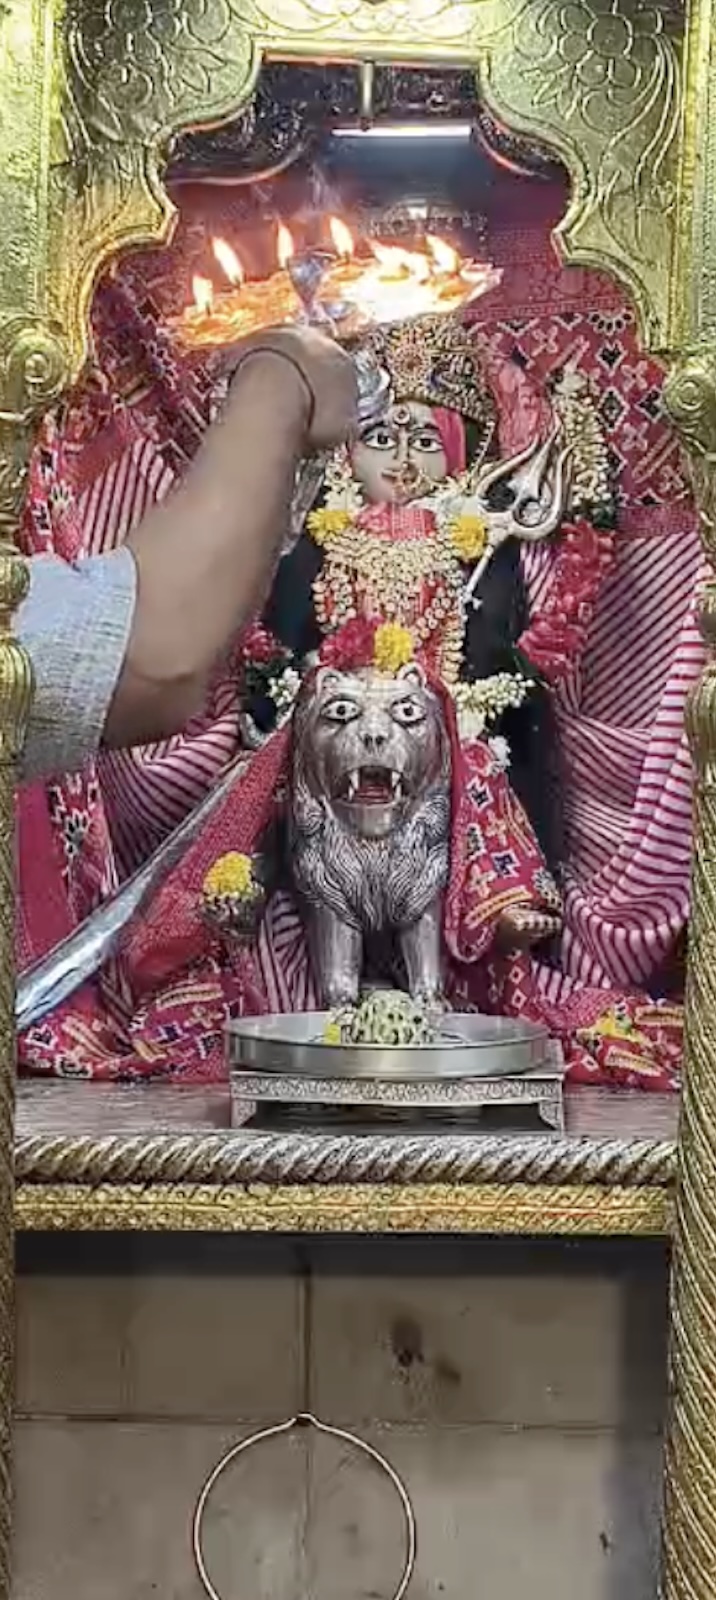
(480, 1063)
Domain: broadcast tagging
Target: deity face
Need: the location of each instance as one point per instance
(400, 458)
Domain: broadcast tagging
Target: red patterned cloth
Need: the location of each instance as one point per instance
(117, 447)
(185, 983)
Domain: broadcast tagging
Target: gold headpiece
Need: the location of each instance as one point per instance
(437, 360)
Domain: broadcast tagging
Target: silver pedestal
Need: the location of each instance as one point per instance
(478, 1062)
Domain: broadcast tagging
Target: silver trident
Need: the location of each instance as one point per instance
(537, 505)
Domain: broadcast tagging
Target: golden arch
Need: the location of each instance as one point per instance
(91, 91)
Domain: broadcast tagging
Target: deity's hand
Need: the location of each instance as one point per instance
(520, 927)
(325, 373)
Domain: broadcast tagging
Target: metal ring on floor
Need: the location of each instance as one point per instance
(305, 1419)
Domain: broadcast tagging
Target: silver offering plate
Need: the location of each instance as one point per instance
(468, 1046)
(476, 1062)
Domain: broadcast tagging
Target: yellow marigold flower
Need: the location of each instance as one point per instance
(332, 1033)
(231, 874)
(325, 524)
(469, 537)
(611, 1026)
(393, 647)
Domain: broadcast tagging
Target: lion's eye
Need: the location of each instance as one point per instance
(341, 710)
(408, 713)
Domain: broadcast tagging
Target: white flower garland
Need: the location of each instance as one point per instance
(284, 689)
(480, 703)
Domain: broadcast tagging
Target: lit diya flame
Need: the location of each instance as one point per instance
(400, 284)
(203, 292)
(358, 291)
(342, 239)
(396, 265)
(445, 258)
(284, 246)
(228, 261)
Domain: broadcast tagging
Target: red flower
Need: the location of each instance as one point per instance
(257, 646)
(557, 635)
(351, 646)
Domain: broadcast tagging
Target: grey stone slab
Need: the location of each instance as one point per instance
(495, 1346)
(103, 1512)
(507, 1514)
(219, 1345)
(71, 1340)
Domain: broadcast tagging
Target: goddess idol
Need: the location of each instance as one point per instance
(397, 693)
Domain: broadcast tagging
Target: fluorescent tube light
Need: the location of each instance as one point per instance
(407, 130)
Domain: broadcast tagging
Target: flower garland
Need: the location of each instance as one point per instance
(466, 532)
(552, 642)
(232, 874)
(267, 670)
(326, 523)
(233, 897)
(483, 702)
(362, 642)
(388, 646)
(555, 638)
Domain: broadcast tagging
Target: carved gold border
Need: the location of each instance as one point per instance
(90, 92)
(330, 1160)
(344, 1183)
(598, 82)
(519, 1208)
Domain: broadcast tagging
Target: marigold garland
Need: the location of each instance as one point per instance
(392, 647)
(468, 536)
(550, 645)
(232, 874)
(326, 523)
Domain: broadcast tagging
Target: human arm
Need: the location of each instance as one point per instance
(122, 644)
(205, 556)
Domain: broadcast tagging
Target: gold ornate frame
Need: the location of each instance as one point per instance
(625, 93)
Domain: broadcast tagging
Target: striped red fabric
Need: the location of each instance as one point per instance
(620, 710)
(621, 719)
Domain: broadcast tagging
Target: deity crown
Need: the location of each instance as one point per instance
(436, 360)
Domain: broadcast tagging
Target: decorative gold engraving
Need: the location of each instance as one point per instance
(17, 372)
(690, 1479)
(143, 69)
(133, 73)
(343, 1208)
(15, 693)
(90, 93)
(693, 276)
(599, 79)
(690, 395)
(33, 368)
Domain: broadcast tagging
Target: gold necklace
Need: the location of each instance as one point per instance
(364, 574)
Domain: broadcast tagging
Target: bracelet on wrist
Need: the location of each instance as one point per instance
(283, 355)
